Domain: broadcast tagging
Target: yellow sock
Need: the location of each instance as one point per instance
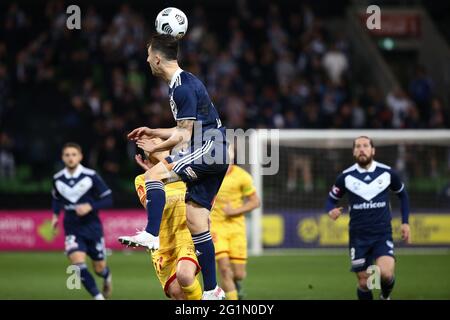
(194, 291)
(231, 295)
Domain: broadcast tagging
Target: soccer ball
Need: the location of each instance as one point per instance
(171, 21)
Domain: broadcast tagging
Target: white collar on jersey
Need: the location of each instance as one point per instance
(175, 76)
(75, 174)
(372, 167)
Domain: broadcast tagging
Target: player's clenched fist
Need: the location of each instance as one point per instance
(335, 213)
(406, 233)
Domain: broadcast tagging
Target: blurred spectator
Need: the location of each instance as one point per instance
(109, 162)
(335, 63)
(439, 119)
(7, 162)
(420, 90)
(400, 105)
(274, 66)
(299, 163)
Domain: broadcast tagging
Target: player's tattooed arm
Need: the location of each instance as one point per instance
(185, 128)
(178, 139)
(163, 133)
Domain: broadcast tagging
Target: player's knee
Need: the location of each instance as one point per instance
(240, 275)
(185, 277)
(176, 293)
(362, 283)
(226, 272)
(99, 269)
(386, 275)
(196, 224)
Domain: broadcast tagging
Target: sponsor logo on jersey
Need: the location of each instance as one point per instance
(369, 205)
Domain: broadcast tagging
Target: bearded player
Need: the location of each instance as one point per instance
(367, 183)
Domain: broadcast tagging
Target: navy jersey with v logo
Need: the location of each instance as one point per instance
(368, 195)
(82, 186)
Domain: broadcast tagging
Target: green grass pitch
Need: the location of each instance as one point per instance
(302, 274)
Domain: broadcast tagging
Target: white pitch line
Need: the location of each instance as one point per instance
(342, 251)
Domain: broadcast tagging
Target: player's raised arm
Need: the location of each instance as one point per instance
(181, 135)
(147, 133)
(163, 133)
(140, 133)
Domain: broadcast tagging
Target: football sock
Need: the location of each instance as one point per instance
(386, 287)
(240, 291)
(364, 294)
(194, 291)
(88, 280)
(206, 258)
(231, 295)
(156, 200)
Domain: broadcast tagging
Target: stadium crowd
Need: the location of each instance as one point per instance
(263, 71)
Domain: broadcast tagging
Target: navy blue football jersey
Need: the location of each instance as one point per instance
(189, 100)
(83, 186)
(368, 195)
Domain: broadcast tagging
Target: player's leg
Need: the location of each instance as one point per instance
(363, 291)
(387, 268)
(102, 270)
(78, 258)
(227, 278)
(197, 218)
(203, 182)
(156, 200)
(186, 278)
(175, 292)
(239, 273)
(221, 239)
(383, 253)
(359, 255)
(96, 250)
(156, 196)
(238, 258)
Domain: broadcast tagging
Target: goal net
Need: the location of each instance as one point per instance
(294, 190)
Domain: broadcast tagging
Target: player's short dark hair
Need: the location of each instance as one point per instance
(72, 145)
(365, 137)
(165, 44)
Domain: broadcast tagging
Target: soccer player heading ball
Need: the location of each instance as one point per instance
(201, 163)
(367, 183)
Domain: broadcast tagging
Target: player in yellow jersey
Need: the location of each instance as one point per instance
(176, 258)
(236, 196)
